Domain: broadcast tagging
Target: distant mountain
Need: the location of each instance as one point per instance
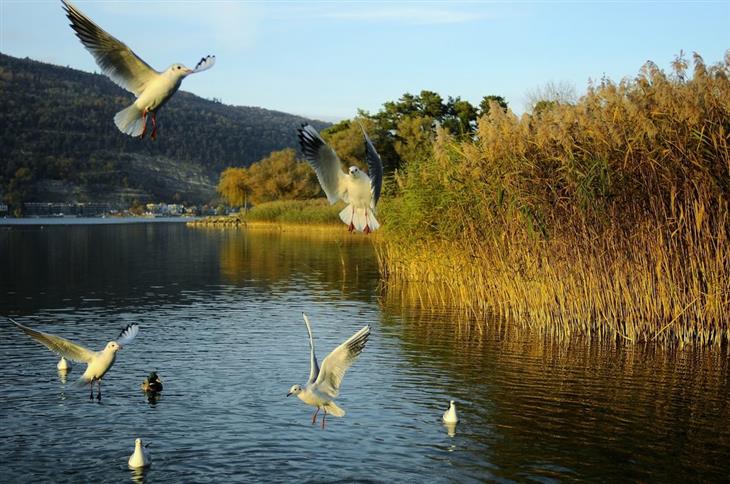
(58, 141)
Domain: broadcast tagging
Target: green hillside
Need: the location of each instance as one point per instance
(59, 142)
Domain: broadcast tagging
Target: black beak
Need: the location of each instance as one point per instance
(288, 394)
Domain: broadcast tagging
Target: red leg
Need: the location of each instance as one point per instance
(367, 226)
(352, 225)
(144, 124)
(324, 416)
(314, 417)
(154, 126)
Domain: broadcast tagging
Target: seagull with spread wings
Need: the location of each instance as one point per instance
(97, 362)
(152, 88)
(355, 188)
(324, 382)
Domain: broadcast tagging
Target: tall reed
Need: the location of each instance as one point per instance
(608, 217)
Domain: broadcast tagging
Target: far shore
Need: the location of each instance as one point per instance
(92, 220)
(233, 221)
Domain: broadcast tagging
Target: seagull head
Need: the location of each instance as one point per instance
(178, 71)
(294, 390)
(354, 171)
(113, 346)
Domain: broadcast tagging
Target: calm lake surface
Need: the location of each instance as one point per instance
(220, 316)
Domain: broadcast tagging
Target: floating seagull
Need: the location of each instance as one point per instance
(97, 362)
(324, 383)
(450, 414)
(152, 88)
(140, 457)
(63, 365)
(357, 189)
(152, 384)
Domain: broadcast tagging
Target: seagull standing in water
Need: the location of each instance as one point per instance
(355, 188)
(97, 362)
(152, 88)
(324, 382)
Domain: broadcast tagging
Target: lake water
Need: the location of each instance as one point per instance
(220, 315)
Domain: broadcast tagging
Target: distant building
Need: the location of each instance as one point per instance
(3, 209)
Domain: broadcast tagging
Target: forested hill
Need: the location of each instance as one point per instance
(58, 140)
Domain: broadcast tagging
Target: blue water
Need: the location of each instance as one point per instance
(220, 316)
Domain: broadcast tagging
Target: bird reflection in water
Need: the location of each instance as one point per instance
(63, 376)
(138, 474)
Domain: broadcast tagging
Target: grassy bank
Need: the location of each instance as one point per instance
(608, 217)
(282, 215)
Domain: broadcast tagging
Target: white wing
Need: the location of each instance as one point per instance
(128, 334)
(58, 345)
(325, 163)
(313, 365)
(205, 63)
(336, 363)
(114, 58)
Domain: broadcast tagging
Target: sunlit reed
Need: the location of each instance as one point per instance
(607, 218)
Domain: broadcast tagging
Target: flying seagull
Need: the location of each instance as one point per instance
(355, 188)
(97, 362)
(152, 88)
(324, 382)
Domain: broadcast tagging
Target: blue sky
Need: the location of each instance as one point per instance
(327, 59)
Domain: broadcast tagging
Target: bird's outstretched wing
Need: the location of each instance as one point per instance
(325, 162)
(313, 365)
(375, 168)
(113, 56)
(58, 345)
(336, 363)
(128, 334)
(204, 64)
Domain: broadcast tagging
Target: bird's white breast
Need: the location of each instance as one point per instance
(310, 397)
(100, 364)
(359, 192)
(157, 92)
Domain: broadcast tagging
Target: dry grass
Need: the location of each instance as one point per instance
(608, 217)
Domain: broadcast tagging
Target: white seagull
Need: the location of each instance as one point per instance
(140, 457)
(323, 385)
(97, 362)
(450, 414)
(152, 88)
(63, 365)
(355, 188)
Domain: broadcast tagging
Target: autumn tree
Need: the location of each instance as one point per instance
(234, 187)
(279, 176)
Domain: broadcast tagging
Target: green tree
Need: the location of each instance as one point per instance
(485, 104)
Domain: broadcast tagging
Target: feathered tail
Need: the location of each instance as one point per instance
(82, 381)
(359, 218)
(130, 121)
(332, 409)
